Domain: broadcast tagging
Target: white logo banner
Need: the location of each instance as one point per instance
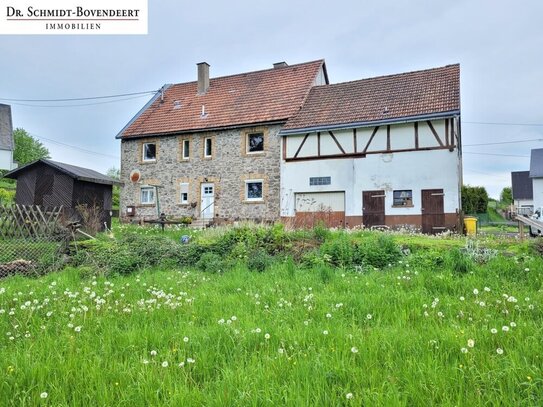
(73, 17)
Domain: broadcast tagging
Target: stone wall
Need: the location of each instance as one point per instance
(228, 168)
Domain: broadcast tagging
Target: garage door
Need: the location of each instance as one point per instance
(326, 207)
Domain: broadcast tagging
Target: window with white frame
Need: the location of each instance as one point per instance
(402, 198)
(184, 191)
(255, 142)
(254, 190)
(149, 152)
(208, 147)
(147, 195)
(186, 149)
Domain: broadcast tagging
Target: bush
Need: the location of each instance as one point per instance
(378, 252)
(340, 251)
(212, 263)
(259, 260)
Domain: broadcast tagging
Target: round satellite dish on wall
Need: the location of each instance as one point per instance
(135, 175)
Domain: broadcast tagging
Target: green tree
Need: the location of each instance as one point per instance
(474, 199)
(115, 173)
(27, 148)
(506, 196)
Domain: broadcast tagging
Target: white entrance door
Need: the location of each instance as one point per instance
(207, 206)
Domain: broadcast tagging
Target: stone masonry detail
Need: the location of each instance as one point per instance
(227, 169)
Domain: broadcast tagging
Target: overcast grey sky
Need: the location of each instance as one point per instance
(498, 44)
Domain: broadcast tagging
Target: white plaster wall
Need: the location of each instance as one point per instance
(417, 170)
(537, 184)
(6, 160)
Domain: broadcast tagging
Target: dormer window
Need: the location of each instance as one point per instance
(149, 151)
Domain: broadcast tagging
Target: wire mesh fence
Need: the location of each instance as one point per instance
(32, 240)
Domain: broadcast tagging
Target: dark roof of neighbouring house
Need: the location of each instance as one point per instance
(6, 128)
(381, 99)
(238, 100)
(521, 185)
(78, 173)
(536, 163)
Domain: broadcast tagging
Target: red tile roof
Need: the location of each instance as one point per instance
(403, 95)
(242, 99)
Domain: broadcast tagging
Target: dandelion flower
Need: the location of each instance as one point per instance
(190, 360)
(186, 339)
(464, 350)
(499, 351)
(325, 332)
(526, 269)
(182, 364)
(369, 316)
(258, 330)
(462, 298)
(165, 363)
(267, 336)
(471, 343)
(505, 328)
(281, 351)
(44, 395)
(77, 329)
(354, 349)
(328, 315)
(153, 353)
(487, 289)
(349, 396)
(145, 361)
(494, 331)
(475, 291)
(513, 324)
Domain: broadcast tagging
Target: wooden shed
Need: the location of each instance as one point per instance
(50, 183)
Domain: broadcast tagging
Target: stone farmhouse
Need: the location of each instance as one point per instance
(284, 143)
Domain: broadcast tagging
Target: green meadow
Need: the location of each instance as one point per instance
(263, 316)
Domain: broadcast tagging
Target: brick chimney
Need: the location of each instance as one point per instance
(203, 77)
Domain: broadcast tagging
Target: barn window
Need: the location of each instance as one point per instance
(403, 198)
(320, 181)
(253, 190)
(149, 151)
(255, 142)
(147, 195)
(184, 188)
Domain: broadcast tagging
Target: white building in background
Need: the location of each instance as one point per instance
(377, 152)
(536, 174)
(522, 190)
(7, 144)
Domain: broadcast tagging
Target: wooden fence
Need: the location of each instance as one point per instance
(29, 221)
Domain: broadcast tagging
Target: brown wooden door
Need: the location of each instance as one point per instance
(433, 215)
(373, 208)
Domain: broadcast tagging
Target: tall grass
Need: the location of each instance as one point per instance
(416, 334)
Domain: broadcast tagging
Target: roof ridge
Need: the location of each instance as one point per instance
(255, 72)
(387, 76)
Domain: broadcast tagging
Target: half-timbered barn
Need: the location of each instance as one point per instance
(378, 152)
(50, 183)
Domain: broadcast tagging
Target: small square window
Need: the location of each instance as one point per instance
(149, 151)
(403, 198)
(208, 147)
(253, 190)
(184, 189)
(186, 149)
(147, 195)
(255, 142)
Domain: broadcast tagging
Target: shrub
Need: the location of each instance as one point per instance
(211, 262)
(378, 251)
(340, 251)
(259, 260)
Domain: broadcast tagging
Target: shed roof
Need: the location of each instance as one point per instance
(536, 163)
(237, 100)
(521, 185)
(78, 173)
(6, 128)
(383, 98)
